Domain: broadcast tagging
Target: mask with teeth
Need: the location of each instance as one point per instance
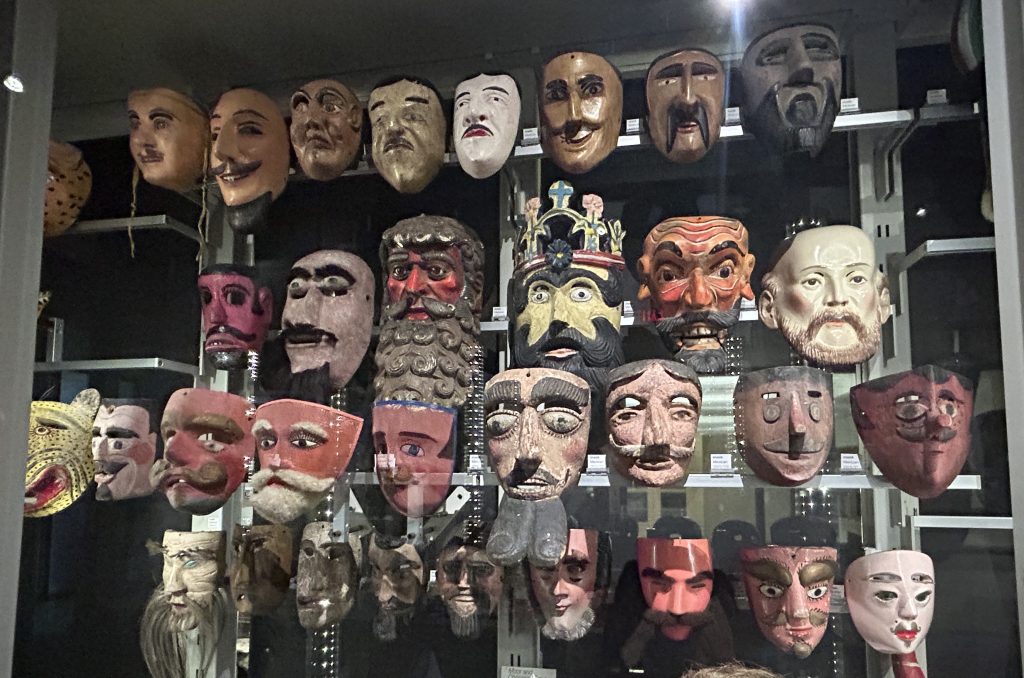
(676, 579)
(326, 129)
(485, 122)
(408, 131)
(685, 103)
(237, 311)
(124, 437)
(168, 138)
(891, 599)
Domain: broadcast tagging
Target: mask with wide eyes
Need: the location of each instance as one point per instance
(559, 419)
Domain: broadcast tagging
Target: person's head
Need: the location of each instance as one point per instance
(327, 576)
(569, 594)
(676, 579)
(470, 583)
(261, 567)
(408, 132)
(685, 103)
(326, 128)
(485, 122)
(891, 596)
(730, 670)
(124, 437)
(397, 580)
(168, 137)
(237, 309)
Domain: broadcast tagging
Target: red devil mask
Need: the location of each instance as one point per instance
(916, 427)
(676, 578)
(236, 314)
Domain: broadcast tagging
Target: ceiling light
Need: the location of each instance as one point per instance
(14, 83)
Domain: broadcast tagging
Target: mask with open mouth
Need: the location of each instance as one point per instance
(685, 103)
(168, 137)
(237, 310)
(124, 437)
(326, 128)
(676, 579)
(68, 185)
(891, 599)
(485, 122)
(408, 131)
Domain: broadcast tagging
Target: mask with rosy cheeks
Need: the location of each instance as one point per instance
(68, 185)
(424, 273)
(695, 270)
(470, 584)
(568, 593)
(326, 128)
(784, 422)
(652, 410)
(916, 426)
(408, 130)
(537, 422)
(676, 578)
(685, 103)
(261, 567)
(237, 312)
(789, 589)
(123, 448)
(303, 448)
(168, 137)
(414, 446)
(207, 440)
(890, 596)
(485, 122)
(580, 110)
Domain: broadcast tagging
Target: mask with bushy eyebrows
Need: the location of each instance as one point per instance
(124, 436)
(326, 128)
(677, 578)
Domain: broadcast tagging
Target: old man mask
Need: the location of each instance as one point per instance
(397, 579)
(326, 129)
(470, 584)
(486, 122)
(891, 599)
(685, 103)
(570, 594)
(408, 131)
(676, 579)
(168, 137)
(124, 437)
(68, 185)
(261, 568)
(237, 310)
(327, 578)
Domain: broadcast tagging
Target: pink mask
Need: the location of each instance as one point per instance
(123, 449)
(569, 593)
(414, 445)
(789, 589)
(916, 427)
(236, 314)
(207, 441)
(676, 578)
(890, 599)
(303, 448)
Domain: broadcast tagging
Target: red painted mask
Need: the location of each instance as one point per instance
(414, 445)
(415, 274)
(236, 315)
(789, 589)
(916, 427)
(676, 578)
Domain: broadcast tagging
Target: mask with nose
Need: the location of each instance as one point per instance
(397, 580)
(303, 448)
(790, 589)
(485, 122)
(784, 422)
(676, 578)
(326, 129)
(569, 595)
(124, 437)
(891, 599)
(68, 185)
(261, 567)
(237, 310)
(327, 578)
(169, 138)
(470, 584)
(408, 132)
(916, 425)
(685, 103)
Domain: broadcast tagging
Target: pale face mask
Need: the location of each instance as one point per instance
(891, 599)
(485, 123)
(192, 573)
(326, 129)
(408, 129)
(169, 135)
(327, 578)
(123, 449)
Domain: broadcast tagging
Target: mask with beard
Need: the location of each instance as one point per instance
(68, 185)
(397, 579)
(124, 448)
(431, 315)
(470, 584)
(327, 577)
(676, 578)
(825, 294)
(685, 103)
(569, 593)
(326, 128)
(791, 82)
(261, 568)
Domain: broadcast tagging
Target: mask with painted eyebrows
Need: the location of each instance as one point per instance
(326, 128)
(676, 578)
(891, 599)
(168, 137)
(485, 122)
(408, 129)
(685, 103)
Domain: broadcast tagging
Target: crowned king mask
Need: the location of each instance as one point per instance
(676, 578)
(409, 131)
(326, 129)
(891, 599)
(685, 103)
(124, 436)
(68, 185)
(237, 310)
(485, 123)
(168, 137)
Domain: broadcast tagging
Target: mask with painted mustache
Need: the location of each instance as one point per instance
(304, 334)
(679, 115)
(526, 470)
(436, 309)
(654, 452)
(691, 619)
(210, 477)
(697, 338)
(234, 170)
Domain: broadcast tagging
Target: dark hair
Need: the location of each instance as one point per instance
(673, 52)
(249, 272)
(638, 367)
(492, 74)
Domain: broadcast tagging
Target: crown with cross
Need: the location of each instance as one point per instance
(562, 236)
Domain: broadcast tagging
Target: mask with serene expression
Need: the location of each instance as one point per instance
(470, 584)
(192, 573)
(123, 448)
(408, 130)
(570, 593)
(685, 103)
(327, 577)
(237, 311)
(676, 578)
(68, 185)
(261, 568)
(485, 123)
(326, 128)
(397, 578)
(168, 137)
(891, 599)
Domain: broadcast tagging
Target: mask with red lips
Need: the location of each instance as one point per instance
(485, 122)
(891, 599)
(237, 311)
(676, 579)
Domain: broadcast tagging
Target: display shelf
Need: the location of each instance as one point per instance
(118, 364)
(942, 247)
(963, 522)
(147, 223)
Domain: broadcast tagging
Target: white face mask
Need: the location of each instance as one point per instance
(485, 123)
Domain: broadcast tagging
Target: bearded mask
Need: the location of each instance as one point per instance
(207, 441)
(326, 129)
(408, 131)
(328, 315)
(916, 426)
(470, 584)
(237, 311)
(397, 577)
(261, 568)
(685, 103)
(169, 135)
(414, 454)
(68, 185)
(824, 293)
(327, 578)
(249, 155)
(570, 593)
(789, 589)
(60, 465)
(580, 110)
(485, 123)
(890, 596)
(676, 578)
(651, 411)
(695, 270)
(784, 422)
(303, 449)
(124, 436)
(430, 318)
(792, 78)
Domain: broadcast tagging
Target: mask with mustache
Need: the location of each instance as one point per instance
(168, 138)
(676, 579)
(124, 436)
(237, 310)
(891, 596)
(685, 103)
(408, 129)
(470, 584)
(326, 128)
(485, 122)
(397, 578)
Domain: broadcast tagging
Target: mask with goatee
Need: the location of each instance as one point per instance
(124, 436)
(237, 310)
(891, 596)
(327, 577)
(685, 103)
(470, 584)
(569, 594)
(261, 567)
(676, 578)
(397, 579)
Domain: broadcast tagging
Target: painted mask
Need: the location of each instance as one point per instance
(676, 578)
(685, 103)
(470, 584)
(68, 185)
(792, 78)
(916, 426)
(327, 578)
(567, 288)
(328, 315)
(326, 128)
(408, 131)
(695, 270)
(537, 422)
(890, 596)
(124, 436)
(303, 449)
(261, 568)
(207, 440)
(168, 137)
(784, 422)
(237, 311)
(433, 268)
(535, 529)
(397, 577)
(570, 593)
(580, 110)
(249, 155)
(789, 589)
(485, 123)
(60, 465)
(414, 448)
(651, 411)
(826, 296)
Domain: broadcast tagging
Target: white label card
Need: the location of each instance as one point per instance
(633, 126)
(530, 136)
(476, 462)
(526, 672)
(850, 463)
(936, 96)
(850, 105)
(246, 518)
(499, 313)
(627, 308)
(721, 463)
(596, 462)
(732, 115)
